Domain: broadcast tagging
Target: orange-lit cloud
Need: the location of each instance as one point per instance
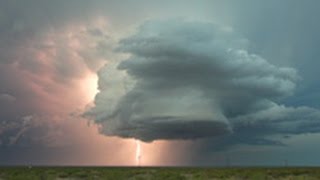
(55, 79)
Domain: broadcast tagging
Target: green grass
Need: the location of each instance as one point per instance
(141, 173)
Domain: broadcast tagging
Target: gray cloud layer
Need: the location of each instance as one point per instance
(186, 80)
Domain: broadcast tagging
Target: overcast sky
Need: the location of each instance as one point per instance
(196, 82)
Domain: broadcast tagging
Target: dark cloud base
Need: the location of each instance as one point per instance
(157, 128)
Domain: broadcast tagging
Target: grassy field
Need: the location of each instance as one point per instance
(140, 173)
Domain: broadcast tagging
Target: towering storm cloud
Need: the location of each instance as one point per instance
(187, 80)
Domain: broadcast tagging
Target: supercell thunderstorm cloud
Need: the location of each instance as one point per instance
(188, 80)
(171, 82)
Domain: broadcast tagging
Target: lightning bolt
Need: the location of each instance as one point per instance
(138, 152)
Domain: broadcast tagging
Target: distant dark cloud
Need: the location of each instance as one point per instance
(186, 80)
(267, 127)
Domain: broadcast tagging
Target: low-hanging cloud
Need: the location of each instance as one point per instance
(187, 80)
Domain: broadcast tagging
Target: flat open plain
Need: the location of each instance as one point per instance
(157, 173)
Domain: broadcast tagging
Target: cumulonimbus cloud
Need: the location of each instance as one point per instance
(187, 80)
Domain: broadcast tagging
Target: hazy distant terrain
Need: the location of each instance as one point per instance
(140, 173)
